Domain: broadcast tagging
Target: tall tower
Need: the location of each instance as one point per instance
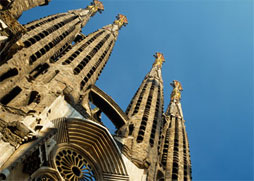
(44, 38)
(41, 92)
(72, 73)
(141, 134)
(48, 130)
(175, 157)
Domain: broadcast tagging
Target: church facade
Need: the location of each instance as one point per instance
(48, 129)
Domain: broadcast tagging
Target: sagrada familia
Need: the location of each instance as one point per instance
(48, 128)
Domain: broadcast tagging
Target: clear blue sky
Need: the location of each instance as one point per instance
(208, 46)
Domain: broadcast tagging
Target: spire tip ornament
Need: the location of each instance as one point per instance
(159, 59)
(121, 20)
(176, 93)
(95, 6)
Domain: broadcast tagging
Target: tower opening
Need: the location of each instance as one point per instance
(40, 69)
(10, 73)
(131, 128)
(11, 95)
(34, 97)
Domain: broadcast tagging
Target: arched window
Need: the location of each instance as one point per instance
(73, 165)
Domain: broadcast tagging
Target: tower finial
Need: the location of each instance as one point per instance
(176, 93)
(159, 59)
(121, 21)
(95, 6)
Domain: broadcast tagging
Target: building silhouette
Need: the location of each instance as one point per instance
(48, 129)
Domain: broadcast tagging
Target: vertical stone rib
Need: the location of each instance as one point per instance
(156, 117)
(90, 55)
(96, 68)
(187, 161)
(168, 161)
(81, 46)
(62, 134)
(38, 23)
(136, 100)
(175, 168)
(139, 100)
(145, 117)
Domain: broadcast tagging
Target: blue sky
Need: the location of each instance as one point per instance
(208, 47)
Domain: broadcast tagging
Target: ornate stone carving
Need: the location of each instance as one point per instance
(159, 59)
(176, 93)
(15, 132)
(121, 21)
(96, 6)
(73, 166)
(45, 174)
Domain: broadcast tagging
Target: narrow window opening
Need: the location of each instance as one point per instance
(32, 40)
(8, 74)
(11, 95)
(131, 128)
(27, 43)
(40, 69)
(37, 38)
(34, 97)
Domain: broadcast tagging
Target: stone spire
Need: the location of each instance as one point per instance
(44, 40)
(175, 107)
(141, 134)
(86, 60)
(71, 73)
(175, 158)
(155, 73)
(89, 56)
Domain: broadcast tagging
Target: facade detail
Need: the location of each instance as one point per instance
(48, 129)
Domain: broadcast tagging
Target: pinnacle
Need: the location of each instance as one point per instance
(95, 6)
(159, 59)
(121, 21)
(176, 93)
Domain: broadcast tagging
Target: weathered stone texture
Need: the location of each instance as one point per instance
(141, 134)
(46, 117)
(18, 6)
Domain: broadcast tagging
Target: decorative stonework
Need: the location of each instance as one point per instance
(15, 132)
(72, 165)
(176, 93)
(159, 59)
(96, 6)
(54, 76)
(45, 174)
(121, 21)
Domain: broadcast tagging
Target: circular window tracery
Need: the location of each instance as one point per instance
(73, 166)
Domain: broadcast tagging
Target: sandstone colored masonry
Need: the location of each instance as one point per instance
(48, 129)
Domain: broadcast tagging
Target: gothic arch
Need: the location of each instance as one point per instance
(93, 143)
(45, 173)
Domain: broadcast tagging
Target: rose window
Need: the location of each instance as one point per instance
(73, 166)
